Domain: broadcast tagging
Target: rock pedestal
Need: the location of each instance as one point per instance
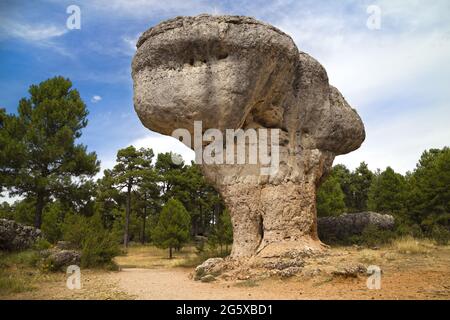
(233, 72)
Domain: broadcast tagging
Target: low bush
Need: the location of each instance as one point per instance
(75, 229)
(99, 249)
(371, 236)
(98, 245)
(440, 234)
(42, 244)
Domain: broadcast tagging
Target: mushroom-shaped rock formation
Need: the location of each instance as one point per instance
(234, 72)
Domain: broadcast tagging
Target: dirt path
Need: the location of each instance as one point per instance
(175, 284)
(145, 275)
(425, 275)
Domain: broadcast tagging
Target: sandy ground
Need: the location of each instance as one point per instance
(405, 276)
(175, 284)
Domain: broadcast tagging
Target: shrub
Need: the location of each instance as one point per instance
(414, 230)
(41, 244)
(51, 223)
(99, 248)
(75, 229)
(98, 245)
(373, 236)
(440, 234)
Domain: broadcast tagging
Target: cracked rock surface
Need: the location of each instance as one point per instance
(234, 72)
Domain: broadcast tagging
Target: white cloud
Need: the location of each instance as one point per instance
(396, 77)
(149, 8)
(130, 44)
(39, 35)
(162, 144)
(30, 32)
(366, 65)
(399, 141)
(96, 99)
(157, 142)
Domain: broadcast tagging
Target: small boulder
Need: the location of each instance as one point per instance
(208, 278)
(63, 258)
(64, 245)
(350, 271)
(289, 272)
(212, 266)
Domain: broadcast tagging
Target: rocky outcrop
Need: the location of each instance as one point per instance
(347, 225)
(64, 258)
(234, 72)
(350, 271)
(210, 268)
(56, 259)
(16, 236)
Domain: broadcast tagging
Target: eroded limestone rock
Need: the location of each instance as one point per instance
(16, 236)
(342, 227)
(234, 72)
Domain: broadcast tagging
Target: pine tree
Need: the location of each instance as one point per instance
(428, 189)
(222, 233)
(387, 192)
(148, 201)
(330, 198)
(173, 227)
(361, 180)
(130, 169)
(39, 156)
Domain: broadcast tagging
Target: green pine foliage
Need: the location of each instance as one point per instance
(330, 198)
(99, 245)
(222, 234)
(172, 230)
(418, 200)
(52, 222)
(40, 157)
(387, 192)
(131, 168)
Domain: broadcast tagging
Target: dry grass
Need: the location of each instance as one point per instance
(148, 256)
(247, 283)
(410, 245)
(369, 256)
(14, 283)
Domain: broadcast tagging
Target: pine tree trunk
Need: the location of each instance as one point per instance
(170, 252)
(39, 209)
(143, 230)
(144, 218)
(127, 216)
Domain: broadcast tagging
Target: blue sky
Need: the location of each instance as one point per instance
(397, 77)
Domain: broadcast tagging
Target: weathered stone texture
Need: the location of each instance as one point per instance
(16, 236)
(351, 224)
(233, 72)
